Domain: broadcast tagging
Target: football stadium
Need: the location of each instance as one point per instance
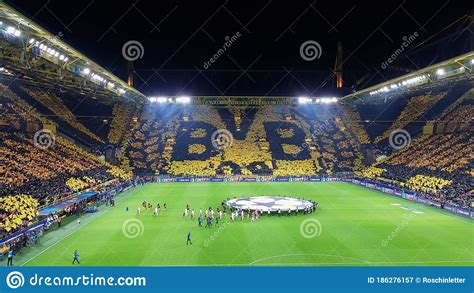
(121, 162)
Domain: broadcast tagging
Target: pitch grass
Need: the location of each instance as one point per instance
(358, 227)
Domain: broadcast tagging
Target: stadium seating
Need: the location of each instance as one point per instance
(439, 165)
(277, 140)
(17, 212)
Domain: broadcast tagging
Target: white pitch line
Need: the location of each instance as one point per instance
(82, 226)
(315, 254)
(360, 261)
(47, 248)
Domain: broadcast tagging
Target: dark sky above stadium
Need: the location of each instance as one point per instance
(178, 37)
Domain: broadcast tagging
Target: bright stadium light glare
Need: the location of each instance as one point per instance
(122, 91)
(183, 100)
(61, 57)
(152, 99)
(161, 100)
(472, 61)
(13, 31)
(31, 41)
(86, 71)
(440, 72)
(304, 100)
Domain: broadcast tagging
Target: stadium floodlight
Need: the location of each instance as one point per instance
(304, 100)
(160, 100)
(472, 61)
(86, 71)
(61, 57)
(98, 78)
(111, 84)
(183, 100)
(13, 31)
(440, 72)
(31, 41)
(122, 91)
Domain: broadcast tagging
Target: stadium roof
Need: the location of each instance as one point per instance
(459, 67)
(26, 35)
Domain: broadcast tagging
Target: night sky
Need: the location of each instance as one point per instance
(178, 37)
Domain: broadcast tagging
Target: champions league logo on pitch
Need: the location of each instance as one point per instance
(271, 203)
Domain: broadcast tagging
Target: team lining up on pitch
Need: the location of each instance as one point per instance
(237, 209)
(184, 225)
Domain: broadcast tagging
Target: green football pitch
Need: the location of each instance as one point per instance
(352, 226)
